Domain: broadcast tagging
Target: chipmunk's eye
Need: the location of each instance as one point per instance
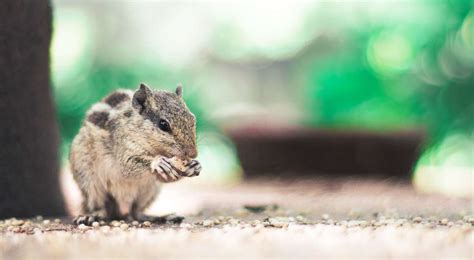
(164, 125)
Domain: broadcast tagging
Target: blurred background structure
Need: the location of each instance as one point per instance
(372, 66)
(29, 136)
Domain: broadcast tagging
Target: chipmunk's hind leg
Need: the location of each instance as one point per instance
(90, 218)
(109, 211)
(111, 208)
(166, 219)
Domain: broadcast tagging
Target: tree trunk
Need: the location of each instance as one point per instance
(29, 138)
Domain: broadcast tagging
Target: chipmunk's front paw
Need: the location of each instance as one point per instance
(164, 170)
(193, 169)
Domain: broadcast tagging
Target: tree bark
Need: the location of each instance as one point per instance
(29, 137)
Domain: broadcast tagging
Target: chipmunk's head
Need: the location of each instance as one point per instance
(168, 123)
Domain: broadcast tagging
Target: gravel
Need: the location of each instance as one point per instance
(260, 236)
(261, 230)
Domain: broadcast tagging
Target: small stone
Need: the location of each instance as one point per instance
(207, 223)
(185, 225)
(124, 226)
(82, 227)
(417, 219)
(300, 218)
(95, 224)
(135, 223)
(57, 220)
(46, 222)
(115, 223)
(325, 216)
(444, 221)
(147, 224)
(27, 224)
(277, 222)
(376, 223)
(280, 224)
(18, 222)
(39, 218)
(233, 222)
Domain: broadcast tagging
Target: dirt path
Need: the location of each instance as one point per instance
(265, 219)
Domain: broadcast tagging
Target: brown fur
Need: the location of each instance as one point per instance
(120, 152)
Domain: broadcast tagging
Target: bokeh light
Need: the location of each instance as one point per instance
(389, 52)
(71, 45)
(448, 167)
(374, 66)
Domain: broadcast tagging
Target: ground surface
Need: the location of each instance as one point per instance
(266, 219)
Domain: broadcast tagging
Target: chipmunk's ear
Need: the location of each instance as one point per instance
(179, 90)
(140, 97)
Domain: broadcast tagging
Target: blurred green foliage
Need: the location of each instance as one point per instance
(374, 69)
(420, 75)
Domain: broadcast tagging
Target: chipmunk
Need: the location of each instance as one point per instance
(128, 145)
